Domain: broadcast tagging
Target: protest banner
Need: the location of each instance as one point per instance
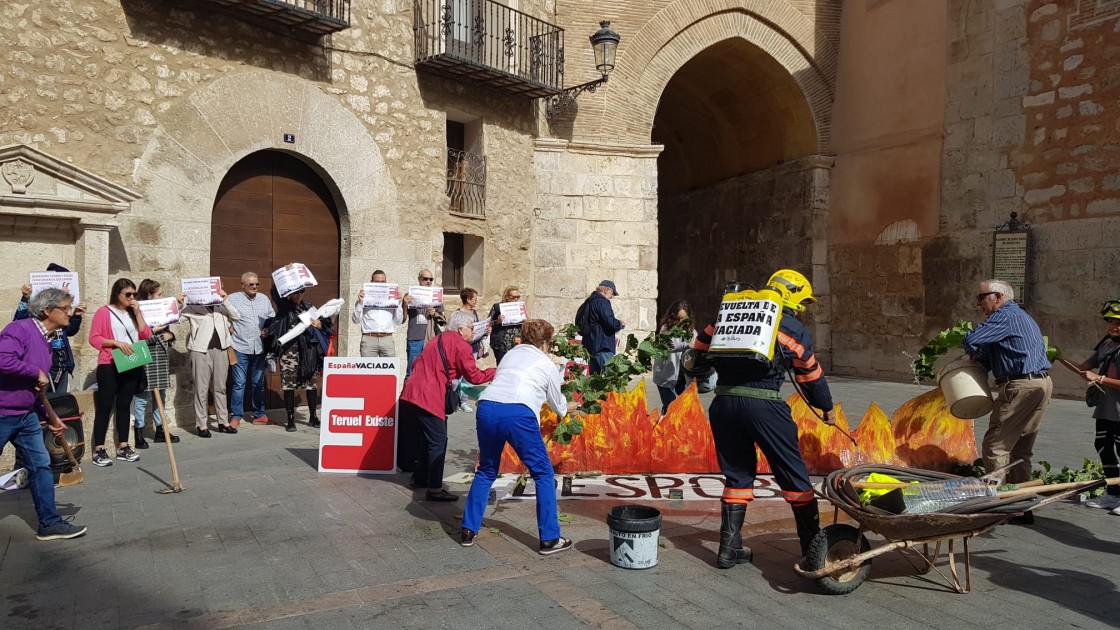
(65, 280)
(161, 312)
(203, 291)
(359, 432)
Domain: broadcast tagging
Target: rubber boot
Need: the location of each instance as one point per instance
(312, 400)
(731, 550)
(290, 407)
(140, 441)
(807, 517)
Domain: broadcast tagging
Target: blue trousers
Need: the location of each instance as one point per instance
(738, 424)
(497, 424)
(24, 432)
(598, 360)
(415, 347)
(140, 404)
(249, 367)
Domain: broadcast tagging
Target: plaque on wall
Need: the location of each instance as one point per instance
(1010, 259)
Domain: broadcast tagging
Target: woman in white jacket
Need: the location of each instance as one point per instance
(509, 412)
(208, 344)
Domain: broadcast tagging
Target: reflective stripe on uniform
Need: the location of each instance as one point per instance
(738, 495)
(811, 376)
(796, 498)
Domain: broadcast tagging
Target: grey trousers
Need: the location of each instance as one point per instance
(210, 370)
(378, 346)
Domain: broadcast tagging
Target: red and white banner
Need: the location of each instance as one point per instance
(359, 432)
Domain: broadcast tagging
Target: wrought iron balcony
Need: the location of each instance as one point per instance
(466, 183)
(490, 43)
(314, 17)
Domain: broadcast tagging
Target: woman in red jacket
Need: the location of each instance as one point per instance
(424, 398)
(117, 325)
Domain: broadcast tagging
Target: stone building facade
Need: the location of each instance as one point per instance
(873, 144)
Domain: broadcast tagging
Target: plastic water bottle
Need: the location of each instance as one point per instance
(934, 496)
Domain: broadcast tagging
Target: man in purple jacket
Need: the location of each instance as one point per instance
(25, 359)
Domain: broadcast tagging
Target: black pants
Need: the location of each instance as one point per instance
(114, 393)
(1108, 447)
(431, 449)
(408, 437)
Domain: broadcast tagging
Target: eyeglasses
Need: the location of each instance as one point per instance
(426, 279)
(65, 309)
(252, 285)
(980, 296)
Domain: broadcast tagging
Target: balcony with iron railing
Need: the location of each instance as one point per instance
(312, 17)
(466, 183)
(487, 42)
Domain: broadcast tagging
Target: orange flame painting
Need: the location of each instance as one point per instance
(628, 438)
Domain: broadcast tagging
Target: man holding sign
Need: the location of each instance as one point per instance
(62, 355)
(422, 316)
(378, 309)
(751, 358)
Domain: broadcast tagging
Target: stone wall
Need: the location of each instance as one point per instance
(1033, 127)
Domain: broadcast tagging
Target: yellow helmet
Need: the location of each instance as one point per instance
(1111, 309)
(794, 287)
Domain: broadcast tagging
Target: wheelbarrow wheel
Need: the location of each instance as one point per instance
(833, 545)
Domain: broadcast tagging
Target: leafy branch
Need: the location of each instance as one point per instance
(950, 339)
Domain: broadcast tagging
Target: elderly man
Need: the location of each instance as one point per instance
(255, 310)
(418, 320)
(598, 325)
(25, 359)
(1010, 345)
(377, 323)
(207, 344)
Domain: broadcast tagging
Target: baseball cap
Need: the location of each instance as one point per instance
(609, 285)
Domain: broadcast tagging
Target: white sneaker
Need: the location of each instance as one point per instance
(467, 408)
(1115, 512)
(1104, 502)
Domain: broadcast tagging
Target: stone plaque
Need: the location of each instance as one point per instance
(1009, 260)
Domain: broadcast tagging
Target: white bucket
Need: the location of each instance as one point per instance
(965, 385)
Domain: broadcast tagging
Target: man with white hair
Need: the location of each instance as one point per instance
(1010, 345)
(249, 330)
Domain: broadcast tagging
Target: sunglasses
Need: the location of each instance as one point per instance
(426, 279)
(253, 284)
(980, 296)
(129, 294)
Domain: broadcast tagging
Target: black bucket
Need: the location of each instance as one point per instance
(635, 530)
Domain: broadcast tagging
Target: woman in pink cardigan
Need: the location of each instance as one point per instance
(117, 325)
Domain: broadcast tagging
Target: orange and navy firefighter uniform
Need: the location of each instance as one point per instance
(747, 412)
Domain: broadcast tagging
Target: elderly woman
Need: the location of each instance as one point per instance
(509, 412)
(503, 336)
(116, 326)
(423, 401)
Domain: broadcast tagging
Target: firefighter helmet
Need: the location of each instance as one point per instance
(1111, 309)
(798, 292)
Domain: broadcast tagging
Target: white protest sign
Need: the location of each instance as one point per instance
(65, 280)
(160, 312)
(203, 291)
(425, 296)
(292, 278)
(381, 294)
(512, 312)
(747, 325)
(480, 330)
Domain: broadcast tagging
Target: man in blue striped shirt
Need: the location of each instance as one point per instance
(1010, 345)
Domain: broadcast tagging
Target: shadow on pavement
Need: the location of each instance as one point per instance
(1085, 593)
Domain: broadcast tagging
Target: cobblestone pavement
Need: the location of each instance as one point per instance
(259, 539)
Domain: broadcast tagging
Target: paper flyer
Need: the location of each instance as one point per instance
(160, 312)
(480, 330)
(381, 294)
(65, 280)
(292, 278)
(203, 291)
(425, 296)
(512, 312)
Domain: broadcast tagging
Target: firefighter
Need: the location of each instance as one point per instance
(748, 410)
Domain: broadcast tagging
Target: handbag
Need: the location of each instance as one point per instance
(451, 396)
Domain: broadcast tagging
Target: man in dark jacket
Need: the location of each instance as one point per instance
(62, 355)
(598, 325)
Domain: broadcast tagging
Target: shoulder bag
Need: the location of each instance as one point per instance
(451, 396)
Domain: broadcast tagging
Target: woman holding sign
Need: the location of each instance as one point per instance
(506, 330)
(301, 358)
(116, 327)
(157, 373)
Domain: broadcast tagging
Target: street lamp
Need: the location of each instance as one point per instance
(605, 44)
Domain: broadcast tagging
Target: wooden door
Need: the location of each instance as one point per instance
(272, 209)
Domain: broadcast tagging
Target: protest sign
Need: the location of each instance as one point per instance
(512, 312)
(292, 278)
(749, 325)
(359, 433)
(65, 280)
(381, 294)
(480, 330)
(160, 312)
(425, 296)
(203, 291)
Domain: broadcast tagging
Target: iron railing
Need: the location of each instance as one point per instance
(315, 17)
(490, 43)
(466, 183)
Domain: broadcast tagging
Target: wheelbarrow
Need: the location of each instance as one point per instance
(839, 557)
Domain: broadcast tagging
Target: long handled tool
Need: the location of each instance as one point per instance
(176, 486)
(76, 475)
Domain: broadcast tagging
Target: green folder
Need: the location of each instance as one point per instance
(140, 356)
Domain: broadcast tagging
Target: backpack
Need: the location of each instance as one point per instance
(746, 332)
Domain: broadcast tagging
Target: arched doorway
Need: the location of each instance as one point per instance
(272, 209)
(737, 195)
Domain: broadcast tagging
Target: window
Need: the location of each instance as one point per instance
(462, 262)
(466, 168)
